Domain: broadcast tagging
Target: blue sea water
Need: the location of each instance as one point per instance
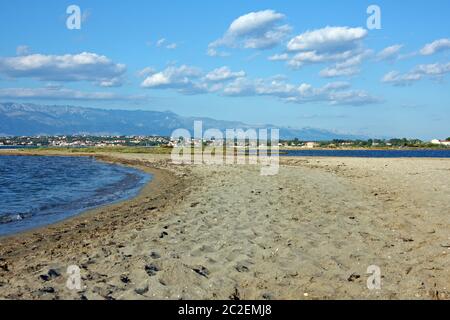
(429, 153)
(37, 190)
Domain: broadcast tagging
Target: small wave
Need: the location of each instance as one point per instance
(10, 218)
(42, 190)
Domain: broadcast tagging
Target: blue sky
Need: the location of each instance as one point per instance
(288, 63)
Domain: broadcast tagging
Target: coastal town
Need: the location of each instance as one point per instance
(84, 141)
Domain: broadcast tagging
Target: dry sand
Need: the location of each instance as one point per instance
(225, 232)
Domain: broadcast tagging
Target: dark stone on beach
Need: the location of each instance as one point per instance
(236, 295)
(141, 290)
(151, 269)
(353, 277)
(163, 234)
(154, 255)
(267, 296)
(83, 297)
(47, 290)
(241, 268)
(4, 267)
(51, 274)
(44, 277)
(201, 271)
(124, 279)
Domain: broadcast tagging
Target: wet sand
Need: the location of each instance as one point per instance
(225, 232)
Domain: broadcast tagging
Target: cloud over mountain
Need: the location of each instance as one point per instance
(435, 46)
(390, 53)
(433, 71)
(85, 66)
(225, 82)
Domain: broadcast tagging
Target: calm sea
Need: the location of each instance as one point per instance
(441, 153)
(37, 191)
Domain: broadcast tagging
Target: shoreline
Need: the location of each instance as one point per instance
(100, 221)
(87, 211)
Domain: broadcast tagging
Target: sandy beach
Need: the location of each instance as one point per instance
(226, 232)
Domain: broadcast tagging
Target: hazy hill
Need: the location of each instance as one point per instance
(17, 119)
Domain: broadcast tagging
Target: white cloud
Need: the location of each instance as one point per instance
(335, 93)
(279, 57)
(172, 77)
(185, 79)
(79, 67)
(398, 79)
(433, 71)
(223, 81)
(341, 46)
(214, 53)
(328, 39)
(348, 67)
(160, 42)
(353, 97)
(146, 72)
(332, 72)
(60, 93)
(345, 63)
(435, 46)
(223, 74)
(190, 80)
(255, 30)
(163, 43)
(172, 46)
(390, 53)
(254, 22)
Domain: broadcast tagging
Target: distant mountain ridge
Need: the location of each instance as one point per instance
(26, 119)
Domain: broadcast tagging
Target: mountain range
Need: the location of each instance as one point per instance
(26, 119)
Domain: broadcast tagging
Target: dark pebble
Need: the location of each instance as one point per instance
(235, 295)
(151, 269)
(202, 271)
(53, 273)
(142, 290)
(47, 290)
(154, 255)
(267, 296)
(241, 268)
(163, 234)
(44, 277)
(124, 279)
(353, 277)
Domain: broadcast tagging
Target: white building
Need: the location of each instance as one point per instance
(441, 142)
(310, 145)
